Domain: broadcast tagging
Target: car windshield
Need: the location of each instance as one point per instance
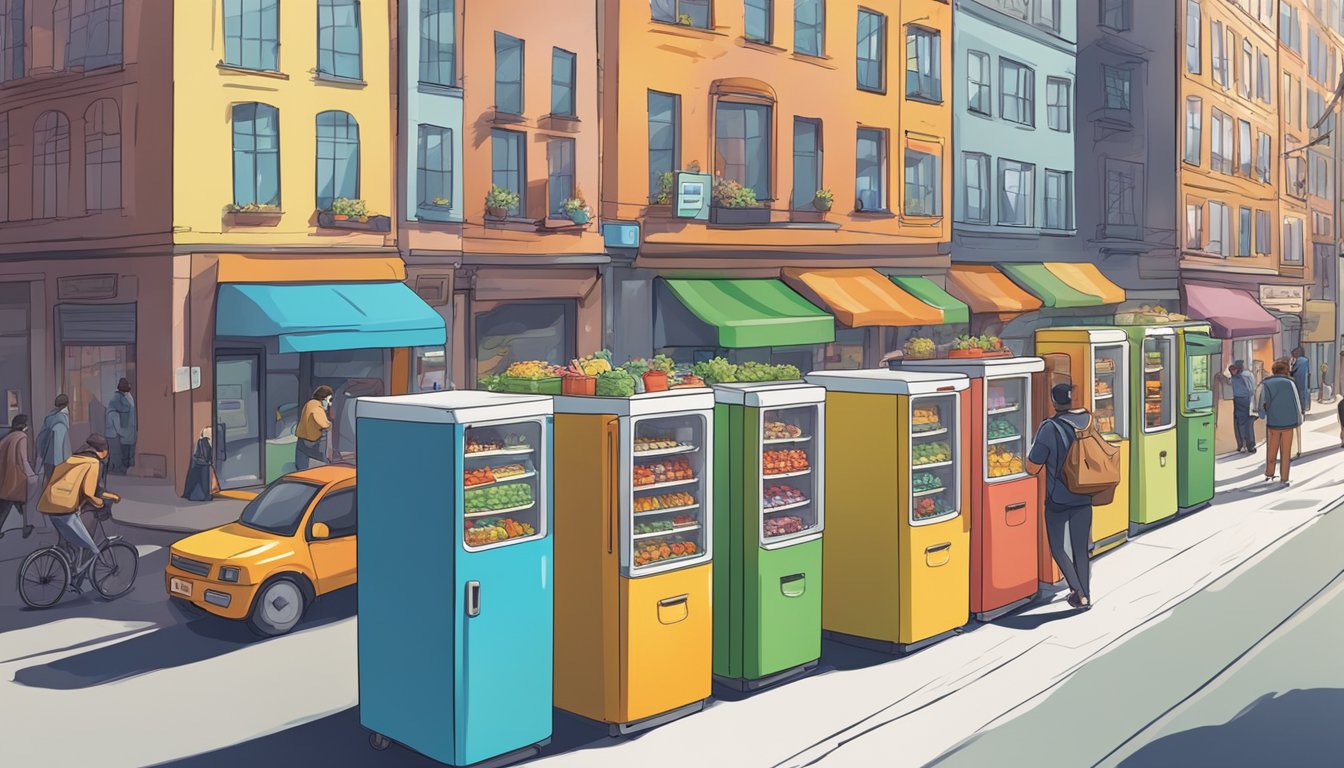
(280, 507)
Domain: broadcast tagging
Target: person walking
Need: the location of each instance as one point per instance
(314, 425)
(1282, 412)
(1065, 509)
(53, 441)
(1299, 367)
(17, 475)
(1243, 418)
(76, 487)
(123, 405)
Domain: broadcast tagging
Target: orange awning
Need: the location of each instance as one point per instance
(986, 290)
(861, 297)
(1088, 279)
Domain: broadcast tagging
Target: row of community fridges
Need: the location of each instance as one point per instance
(614, 556)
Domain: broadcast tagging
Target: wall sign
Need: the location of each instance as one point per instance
(1283, 298)
(620, 234)
(693, 193)
(87, 287)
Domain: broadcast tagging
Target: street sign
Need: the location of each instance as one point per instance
(693, 193)
(1282, 298)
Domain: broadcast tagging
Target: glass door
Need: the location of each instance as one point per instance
(669, 494)
(238, 430)
(935, 455)
(1109, 391)
(1199, 369)
(502, 484)
(1157, 383)
(1007, 432)
(790, 474)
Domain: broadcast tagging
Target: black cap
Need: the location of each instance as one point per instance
(1062, 395)
(96, 442)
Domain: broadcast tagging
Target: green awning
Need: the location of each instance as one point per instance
(1047, 287)
(927, 291)
(1201, 344)
(754, 313)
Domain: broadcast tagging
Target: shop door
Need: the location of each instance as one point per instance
(238, 420)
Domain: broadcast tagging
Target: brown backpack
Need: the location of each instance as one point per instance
(1092, 465)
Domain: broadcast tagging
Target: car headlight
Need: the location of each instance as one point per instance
(229, 573)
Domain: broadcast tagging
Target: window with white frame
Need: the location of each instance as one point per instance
(1017, 183)
(1193, 55)
(1244, 148)
(1194, 116)
(1058, 199)
(923, 181)
(975, 184)
(1263, 157)
(1292, 239)
(1218, 53)
(1017, 83)
(1220, 229)
(923, 64)
(1247, 70)
(979, 89)
(1059, 104)
(1220, 142)
(1046, 14)
(1194, 225)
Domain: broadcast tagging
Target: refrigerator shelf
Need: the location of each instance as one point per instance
(667, 451)
(785, 440)
(785, 507)
(929, 492)
(665, 510)
(1008, 439)
(1003, 410)
(1153, 369)
(668, 532)
(493, 512)
(668, 484)
(934, 464)
(1103, 396)
(807, 471)
(520, 451)
(509, 479)
(929, 433)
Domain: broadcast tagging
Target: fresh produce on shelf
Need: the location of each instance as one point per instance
(753, 371)
(997, 399)
(490, 530)
(681, 520)
(778, 430)
(663, 472)
(509, 470)
(498, 497)
(919, 348)
(783, 525)
(926, 419)
(1106, 423)
(598, 362)
(1001, 427)
(482, 446)
(615, 383)
(929, 507)
(782, 496)
(663, 363)
(533, 369)
(716, 371)
(653, 526)
(515, 440)
(784, 462)
(664, 501)
(1102, 387)
(1104, 364)
(654, 550)
(932, 453)
(925, 481)
(989, 343)
(1003, 462)
(493, 383)
(643, 444)
(482, 476)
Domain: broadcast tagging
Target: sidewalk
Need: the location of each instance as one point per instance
(153, 503)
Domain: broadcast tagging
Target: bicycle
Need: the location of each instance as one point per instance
(48, 573)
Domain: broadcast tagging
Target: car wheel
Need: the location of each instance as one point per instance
(279, 605)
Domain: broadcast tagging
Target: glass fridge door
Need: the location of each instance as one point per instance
(1198, 381)
(503, 484)
(790, 474)
(669, 498)
(1110, 391)
(935, 456)
(1007, 432)
(1158, 374)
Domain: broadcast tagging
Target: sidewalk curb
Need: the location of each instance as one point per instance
(156, 526)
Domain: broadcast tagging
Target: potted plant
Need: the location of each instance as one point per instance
(736, 204)
(253, 214)
(685, 19)
(346, 209)
(576, 209)
(577, 380)
(919, 348)
(659, 375)
(498, 201)
(823, 200)
(667, 183)
(349, 213)
(964, 346)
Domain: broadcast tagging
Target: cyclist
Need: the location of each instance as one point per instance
(77, 486)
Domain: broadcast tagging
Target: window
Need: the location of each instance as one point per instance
(60, 34)
(872, 51)
(1058, 104)
(1244, 148)
(1218, 52)
(692, 13)
(1124, 187)
(1247, 70)
(1318, 176)
(12, 36)
(438, 42)
(1194, 226)
(1290, 29)
(923, 70)
(1315, 106)
(1244, 232)
(508, 165)
(434, 166)
(1047, 14)
(809, 27)
(564, 71)
(1264, 235)
(1058, 199)
(1194, 115)
(1017, 102)
(252, 34)
(923, 181)
(51, 165)
(1117, 87)
(806, 161)
(337, 158)
(1220, 229)
(95, 35)
(1319, 55)
(870, 170)
(256, 154)
(339, 512)
(664, 130)
(758, 20)
(1193, 30)
(559, 174)
(524, 330)
(975, 168)
(1292, 239)
(1016, 193)
(1264, 85)
(1220, 143)
(1115, 14)
(979, 92)
(742, 145)
(1263, 151)
(508, 74)
(102, 156)
(338, 39)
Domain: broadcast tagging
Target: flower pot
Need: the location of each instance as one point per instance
(339, 217)
(655, 381)
(578, 385)
(578, 217)
(822, 205)
(497, 213)
(689, 382)
(964, 353)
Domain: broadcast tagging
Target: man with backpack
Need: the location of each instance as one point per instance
(1081, 469)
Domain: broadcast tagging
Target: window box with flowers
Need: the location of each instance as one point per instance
(499, 202)
(736, 204)
(577, 210)
(437, 209)
(252, 215)
(346, 213)
(823, 200)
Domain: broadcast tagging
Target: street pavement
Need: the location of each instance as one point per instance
(1214, 632)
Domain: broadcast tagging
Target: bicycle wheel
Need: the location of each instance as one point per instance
(43, 578)
(114, 570)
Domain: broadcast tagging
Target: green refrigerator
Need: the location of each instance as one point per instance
(1152, 462)
(768, 519)
(1196, 351)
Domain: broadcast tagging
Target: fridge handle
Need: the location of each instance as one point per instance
(1015, 507)
(938, 548)
(473, 598)
(668, 602)
(612, 503)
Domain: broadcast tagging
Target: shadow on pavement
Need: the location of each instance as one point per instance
(1300, 727)
(1029, 621)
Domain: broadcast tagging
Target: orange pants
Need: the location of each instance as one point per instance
(1280, 444)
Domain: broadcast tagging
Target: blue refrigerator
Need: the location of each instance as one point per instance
(455, 563)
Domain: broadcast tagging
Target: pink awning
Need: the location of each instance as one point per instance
(1231, 312)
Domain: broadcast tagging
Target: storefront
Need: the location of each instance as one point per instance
(15, 353)
(1319, 336)
(994, 302)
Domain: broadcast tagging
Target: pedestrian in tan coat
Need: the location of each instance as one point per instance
(17, 475)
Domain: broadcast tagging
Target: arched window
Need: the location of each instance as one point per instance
(252, 34)
(51, 165)
(338, 42)
(60, 33)
(337, 158)
(102, 156)
(256, 154)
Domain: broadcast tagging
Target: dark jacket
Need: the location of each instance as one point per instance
(1279, 403)
(1051, 446)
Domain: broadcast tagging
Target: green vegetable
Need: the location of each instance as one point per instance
(787, 373)
(663, 363)
(716, 371)
(490, 383)
(615, 383)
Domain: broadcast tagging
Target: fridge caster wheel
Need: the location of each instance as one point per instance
(379, 742)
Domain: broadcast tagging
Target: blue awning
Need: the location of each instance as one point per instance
(329, 316)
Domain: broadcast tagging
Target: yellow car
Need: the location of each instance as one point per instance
(293, 543)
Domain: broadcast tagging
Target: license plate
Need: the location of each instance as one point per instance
(180, 587)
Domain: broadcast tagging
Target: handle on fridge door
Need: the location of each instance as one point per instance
(793, 586)
(668, 602)
(1014, 507)
(1162, 459)
(672, 610)
(473, 598)
(613, 481)
(1202, 445)
(938, 555)
(1015, 514)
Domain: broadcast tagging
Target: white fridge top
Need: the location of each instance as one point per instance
(988, 367)
(463, 406)
(769, 394)
(649, 403)
(881, 381)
